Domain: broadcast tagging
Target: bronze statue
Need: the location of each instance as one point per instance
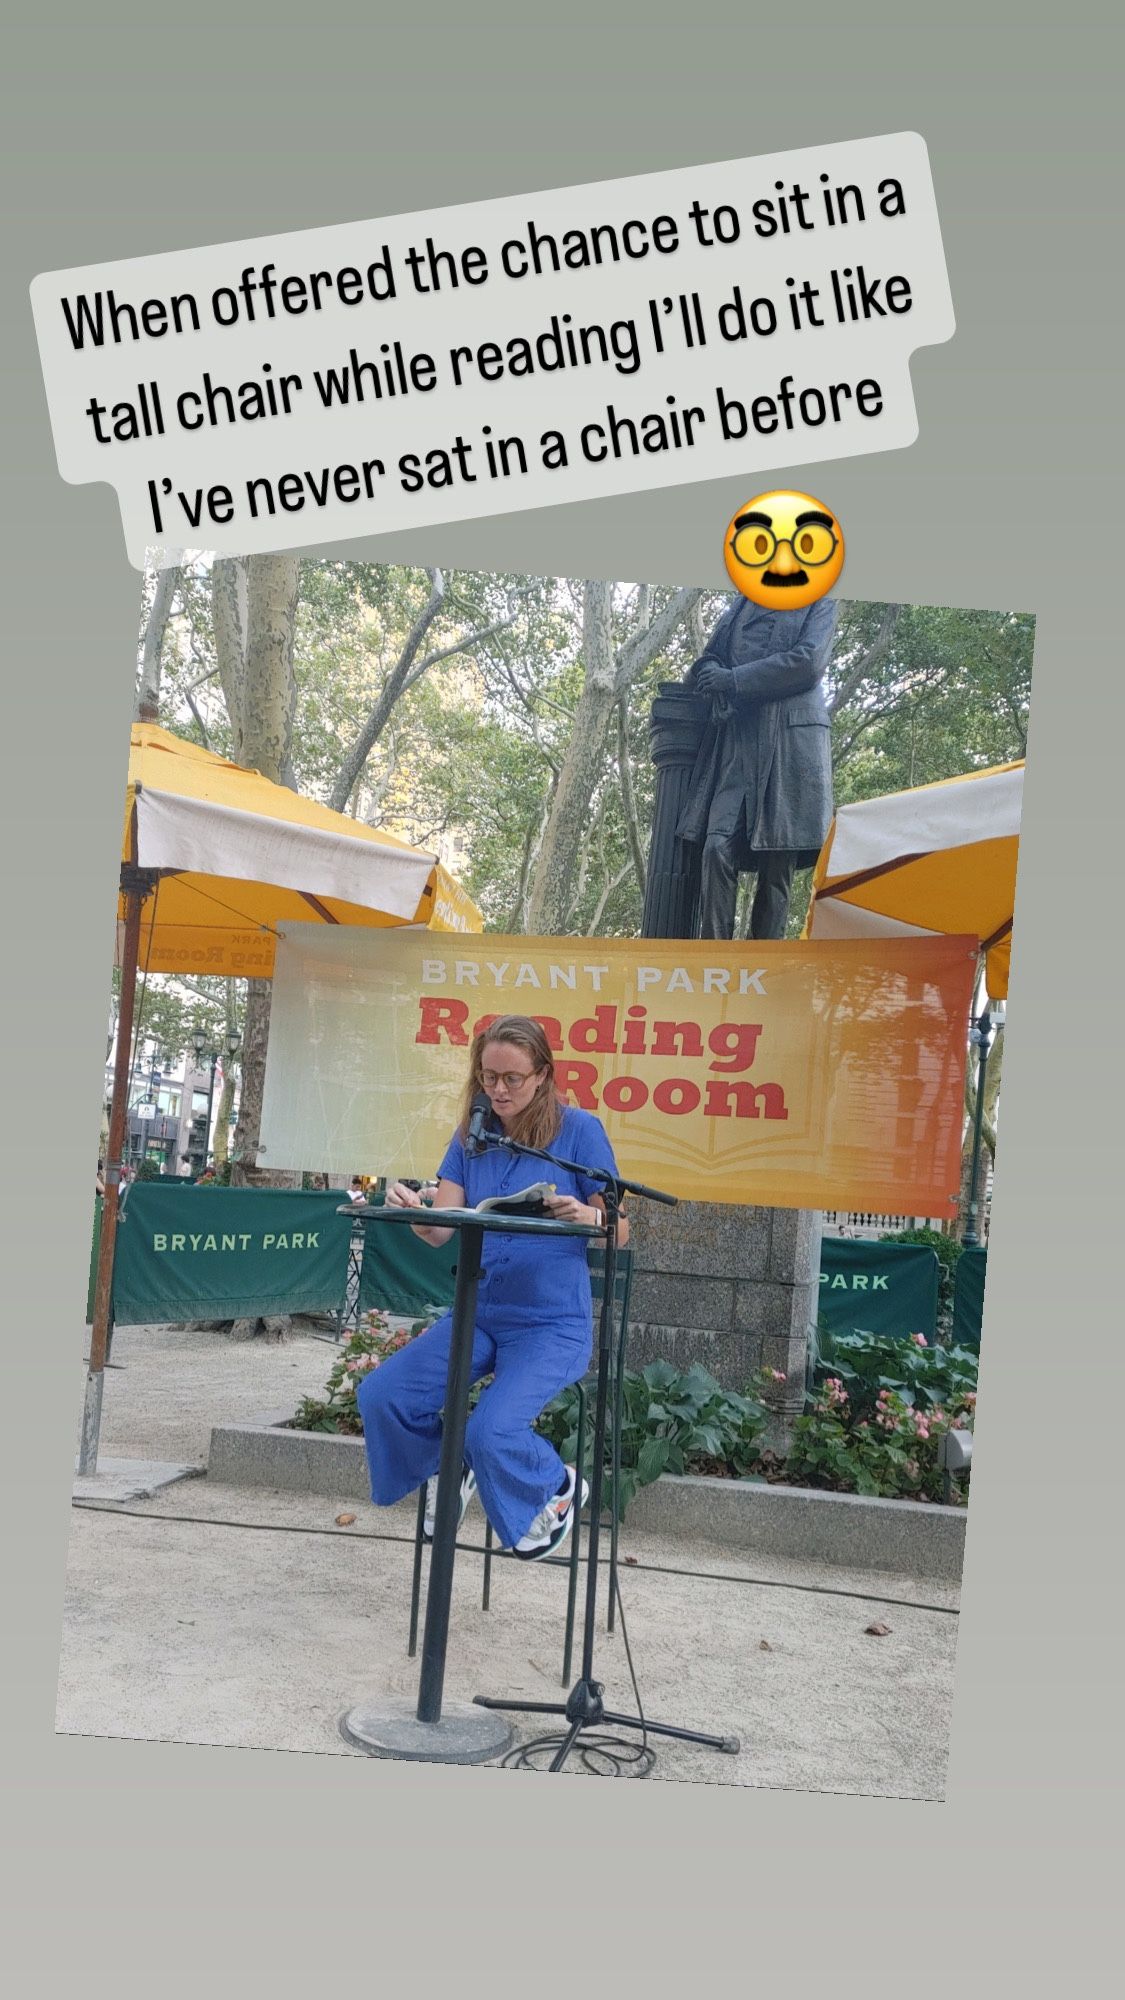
(759, 797)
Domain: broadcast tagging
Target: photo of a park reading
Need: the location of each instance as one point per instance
(542, 1204)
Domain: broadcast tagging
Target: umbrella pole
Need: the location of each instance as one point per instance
(134, 887)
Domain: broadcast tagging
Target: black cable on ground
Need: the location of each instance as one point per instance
(555, 1562)
(601, 1753)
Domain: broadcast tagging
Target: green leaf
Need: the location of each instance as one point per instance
(652, 1460)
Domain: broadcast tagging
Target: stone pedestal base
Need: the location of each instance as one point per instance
(736, 1289)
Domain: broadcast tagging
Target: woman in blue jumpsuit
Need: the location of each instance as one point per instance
(534, 1318)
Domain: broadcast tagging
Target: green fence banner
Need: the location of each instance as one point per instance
(888, 1288)
(399, 1274)
(881, 1287)
(968, 1297)
(228, 1253)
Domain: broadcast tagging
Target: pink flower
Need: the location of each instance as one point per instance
(919, 1339)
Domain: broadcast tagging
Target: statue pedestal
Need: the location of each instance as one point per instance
(734, 1288)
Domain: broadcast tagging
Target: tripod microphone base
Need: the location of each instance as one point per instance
(585, 1709)
(584, 1704)
(390, 1728)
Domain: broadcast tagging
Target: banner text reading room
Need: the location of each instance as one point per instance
(732, 1046)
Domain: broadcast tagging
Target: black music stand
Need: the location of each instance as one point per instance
(585, 1709)
(432, 1730)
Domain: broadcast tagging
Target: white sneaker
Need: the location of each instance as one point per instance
(468, 1488)
(554, 1522)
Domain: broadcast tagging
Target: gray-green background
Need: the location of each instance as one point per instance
(164, 1868)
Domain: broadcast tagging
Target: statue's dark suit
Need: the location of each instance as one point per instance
(761, 791)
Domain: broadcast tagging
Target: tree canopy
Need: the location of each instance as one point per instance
(452, 708)
(504, 718)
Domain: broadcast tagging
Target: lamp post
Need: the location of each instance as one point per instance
(986, 1026)
(199, 1041)
(144, 1111)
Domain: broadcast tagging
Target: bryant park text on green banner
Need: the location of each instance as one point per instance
(226, 1253)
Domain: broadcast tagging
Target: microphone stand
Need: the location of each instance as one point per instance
(584, 1707)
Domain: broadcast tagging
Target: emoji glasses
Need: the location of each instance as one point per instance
(755, 544)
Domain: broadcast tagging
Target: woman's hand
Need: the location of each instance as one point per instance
(401, 1196)
(567, 1208)
(445, 1195)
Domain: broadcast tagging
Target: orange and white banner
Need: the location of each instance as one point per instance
(795, 1075)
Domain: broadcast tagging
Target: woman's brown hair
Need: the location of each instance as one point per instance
(538, 1124)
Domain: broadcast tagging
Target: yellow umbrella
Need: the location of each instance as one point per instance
(215, 860)
(236, 857)
(940, 859)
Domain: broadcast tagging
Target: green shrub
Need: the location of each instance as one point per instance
(873, 1425)
(337, 1411)
(917, 1373)
(670, 1422)
(879, 1412)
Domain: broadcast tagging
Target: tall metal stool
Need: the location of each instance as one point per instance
(623, 1286)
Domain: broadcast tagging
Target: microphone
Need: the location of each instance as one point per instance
(475, 1143)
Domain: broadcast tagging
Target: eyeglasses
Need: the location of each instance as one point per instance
(755, 546)
(512, 1081)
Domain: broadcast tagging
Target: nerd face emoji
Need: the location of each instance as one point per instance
(784, 550)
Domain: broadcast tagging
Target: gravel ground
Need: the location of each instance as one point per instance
(167, 1385)
(241, 1616)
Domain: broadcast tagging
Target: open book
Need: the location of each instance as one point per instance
(525, 1201)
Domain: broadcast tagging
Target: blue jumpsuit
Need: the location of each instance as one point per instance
(533, 1335)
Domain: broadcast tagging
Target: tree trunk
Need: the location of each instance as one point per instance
(267, 710)
(569, 824)
(267, 724)
(148, 687)
(628, 801)
(609, 675)
(221, 1151)
(353, 764)
(868, 660)
(229, 591)
(255, 1038)
(992, 1075)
